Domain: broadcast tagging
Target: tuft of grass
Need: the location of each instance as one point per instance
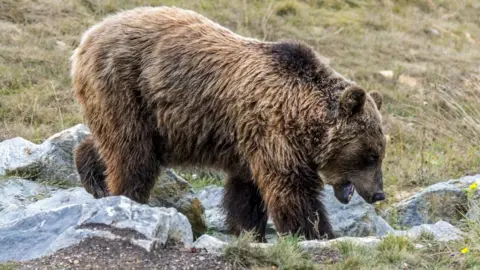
(240, 253)
(353, 256)
(426, 236)
(394, 249)
(284, 254)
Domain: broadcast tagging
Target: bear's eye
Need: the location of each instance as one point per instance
(371, 159)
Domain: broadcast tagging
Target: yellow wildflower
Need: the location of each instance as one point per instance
(473, 186)
(465, 250)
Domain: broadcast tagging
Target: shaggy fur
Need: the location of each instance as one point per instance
(168, 87)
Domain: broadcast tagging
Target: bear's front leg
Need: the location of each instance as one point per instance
(244, 207)
(293, 202)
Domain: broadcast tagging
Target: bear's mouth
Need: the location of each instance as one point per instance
(344, 193)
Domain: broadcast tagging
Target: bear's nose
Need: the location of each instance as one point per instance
(379, 196)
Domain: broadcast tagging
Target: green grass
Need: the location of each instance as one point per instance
(393, 252)
(199, 180)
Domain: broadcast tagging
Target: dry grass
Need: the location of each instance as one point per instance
(432, 47)
(393, 252)
(285, 254)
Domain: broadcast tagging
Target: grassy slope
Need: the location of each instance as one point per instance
(433, 126)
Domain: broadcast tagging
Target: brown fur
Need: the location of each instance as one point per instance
(168, 87)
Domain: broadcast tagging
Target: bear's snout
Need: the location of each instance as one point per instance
(379, 196)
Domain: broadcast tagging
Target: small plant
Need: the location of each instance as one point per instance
(426, 236)
(240, 253)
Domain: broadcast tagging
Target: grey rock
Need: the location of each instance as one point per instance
(52, 160)
(216, 219)
(70, 216)
(34, 234)
(17, 153)
(357, 218)
(171, 190)
(62, 198)
(446, 201)
(223, 236)
(317, 245)
(441, 231)
(210, 243)
(211, 198)
(17, 192)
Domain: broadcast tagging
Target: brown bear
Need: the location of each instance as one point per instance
(168, 87)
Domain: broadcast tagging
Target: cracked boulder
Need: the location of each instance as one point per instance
(69, 216)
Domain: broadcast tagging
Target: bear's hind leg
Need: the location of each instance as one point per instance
(132, 167)
(244, 207)
(91, 168)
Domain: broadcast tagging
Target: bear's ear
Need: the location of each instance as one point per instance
(377, 97)
(352, 100)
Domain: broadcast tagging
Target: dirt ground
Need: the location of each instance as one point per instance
(97, 253)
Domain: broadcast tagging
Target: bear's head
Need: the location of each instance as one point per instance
(356, 145)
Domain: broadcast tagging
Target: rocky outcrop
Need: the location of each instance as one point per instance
(69, 216)
(448, 201)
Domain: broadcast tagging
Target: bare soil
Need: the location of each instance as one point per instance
(98, 253)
